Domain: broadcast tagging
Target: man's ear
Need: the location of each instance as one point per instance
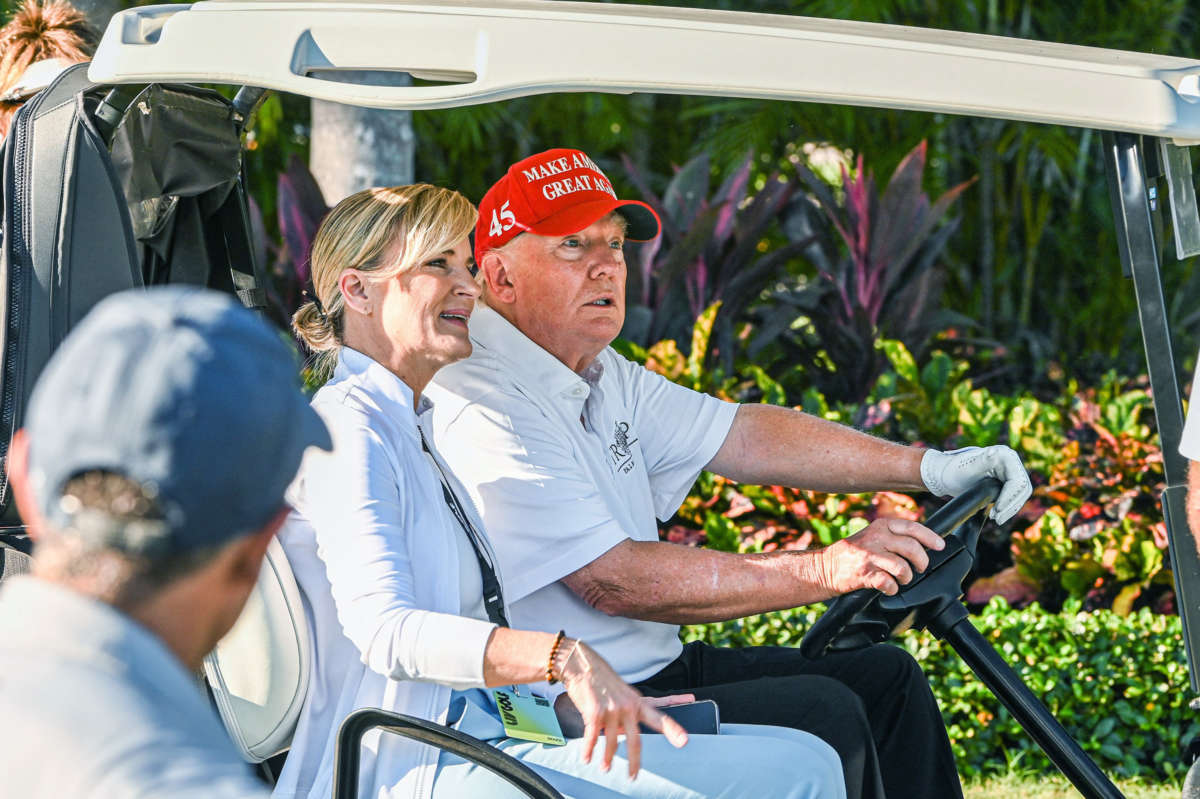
(18, 478)
(353, 286)
(498, 277)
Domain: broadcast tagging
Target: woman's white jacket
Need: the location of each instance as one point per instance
(372, 545)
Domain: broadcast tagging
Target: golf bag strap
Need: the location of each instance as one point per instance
(235, 221)
(493, 594)
(66, 86)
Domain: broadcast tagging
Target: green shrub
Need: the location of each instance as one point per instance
(1119, 684)
(937, 404)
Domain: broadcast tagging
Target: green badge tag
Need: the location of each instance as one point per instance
(530, 718)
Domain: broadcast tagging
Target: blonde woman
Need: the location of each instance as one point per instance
(405, 606)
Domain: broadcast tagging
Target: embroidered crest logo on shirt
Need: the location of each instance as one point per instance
(622, 458)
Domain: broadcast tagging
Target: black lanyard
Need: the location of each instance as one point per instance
(493, 599)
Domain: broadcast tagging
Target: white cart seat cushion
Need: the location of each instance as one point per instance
(259, 671)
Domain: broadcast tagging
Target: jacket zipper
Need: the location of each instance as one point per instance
(16, 284)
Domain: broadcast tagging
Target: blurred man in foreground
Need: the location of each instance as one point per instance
(151, 473)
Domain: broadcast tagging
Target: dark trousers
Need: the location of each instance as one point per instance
(872, 705)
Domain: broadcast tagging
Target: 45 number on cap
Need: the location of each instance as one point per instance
(502, 222)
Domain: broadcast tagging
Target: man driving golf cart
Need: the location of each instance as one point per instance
(571, 452)
(485, 51)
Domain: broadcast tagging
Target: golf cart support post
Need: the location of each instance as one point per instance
(1146, 106)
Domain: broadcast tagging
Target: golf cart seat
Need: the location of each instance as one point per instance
(259, 672)
(260, 669)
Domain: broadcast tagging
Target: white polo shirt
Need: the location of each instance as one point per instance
(562, 469)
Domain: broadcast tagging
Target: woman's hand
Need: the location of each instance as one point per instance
(571, 722)
(603, 702)
(608, 704)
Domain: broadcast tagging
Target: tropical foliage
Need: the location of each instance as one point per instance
(712, 250)
(1092, 532)
(875, 256)
(299, 210)
(1034, 263)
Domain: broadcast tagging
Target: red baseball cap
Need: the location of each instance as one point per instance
(555, 193)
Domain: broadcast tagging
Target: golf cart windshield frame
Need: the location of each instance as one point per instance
(1145, 105)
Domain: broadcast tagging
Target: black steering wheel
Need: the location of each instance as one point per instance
(868, 616)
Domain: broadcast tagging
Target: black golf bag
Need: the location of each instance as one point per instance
(106, 189)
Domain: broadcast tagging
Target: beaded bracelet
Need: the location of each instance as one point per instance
(558, 639)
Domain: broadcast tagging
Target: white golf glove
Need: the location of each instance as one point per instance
(948, 474)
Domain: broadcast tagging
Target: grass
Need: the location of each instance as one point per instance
(1027, 786)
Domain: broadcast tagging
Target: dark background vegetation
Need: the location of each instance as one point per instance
(1033, 264)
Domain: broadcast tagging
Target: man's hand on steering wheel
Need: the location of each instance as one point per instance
(883, 556)
(860, 609)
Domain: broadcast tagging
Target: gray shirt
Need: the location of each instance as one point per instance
(92, 704)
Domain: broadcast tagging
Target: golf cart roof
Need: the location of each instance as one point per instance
(497, 49)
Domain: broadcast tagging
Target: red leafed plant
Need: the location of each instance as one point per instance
(300, 208)
(875, 276)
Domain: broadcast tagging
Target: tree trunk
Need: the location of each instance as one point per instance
(355, 148)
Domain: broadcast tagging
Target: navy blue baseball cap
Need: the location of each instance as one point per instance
(184, 391)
